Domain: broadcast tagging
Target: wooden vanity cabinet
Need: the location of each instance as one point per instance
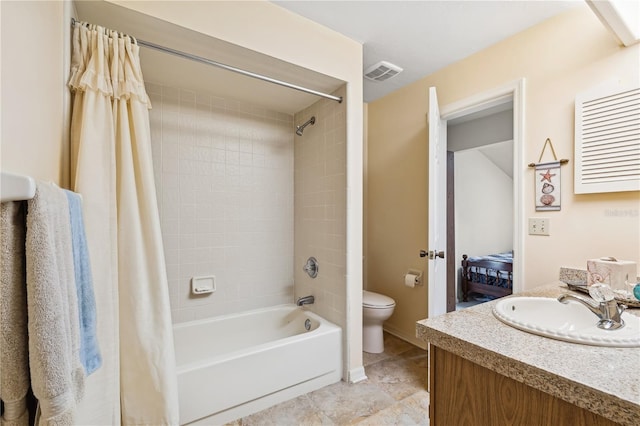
(465, 393)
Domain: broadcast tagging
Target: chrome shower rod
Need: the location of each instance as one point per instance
(230, 68)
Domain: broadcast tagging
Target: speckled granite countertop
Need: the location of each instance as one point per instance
(603, 380)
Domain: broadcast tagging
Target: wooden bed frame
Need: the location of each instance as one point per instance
(471, 277)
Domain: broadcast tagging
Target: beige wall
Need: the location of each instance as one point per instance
(559, 58)
(35, 100)
(397, 204)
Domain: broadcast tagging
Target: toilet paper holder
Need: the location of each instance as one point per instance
(418, 274)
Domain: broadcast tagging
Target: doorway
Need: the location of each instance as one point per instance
(480, 182)
(509, 98)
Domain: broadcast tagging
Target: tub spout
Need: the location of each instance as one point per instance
(306, 300)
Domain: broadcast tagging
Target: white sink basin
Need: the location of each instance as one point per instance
(571, 322)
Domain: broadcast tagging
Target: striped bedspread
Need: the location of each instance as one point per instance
(500, 257)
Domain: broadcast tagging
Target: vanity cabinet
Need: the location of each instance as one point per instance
(465, 393)
(484, 372)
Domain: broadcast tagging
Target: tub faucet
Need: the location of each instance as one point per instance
(607, 309)
(306, 300)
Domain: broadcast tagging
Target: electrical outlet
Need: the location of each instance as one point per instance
(538, 226)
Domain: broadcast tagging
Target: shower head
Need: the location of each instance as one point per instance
(300, 129)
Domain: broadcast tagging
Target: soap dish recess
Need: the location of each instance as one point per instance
(203, 285)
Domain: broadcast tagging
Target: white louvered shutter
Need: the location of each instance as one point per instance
(607, 140)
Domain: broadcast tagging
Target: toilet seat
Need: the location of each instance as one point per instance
(373, 300)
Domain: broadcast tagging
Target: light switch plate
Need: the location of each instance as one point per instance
(538, 226)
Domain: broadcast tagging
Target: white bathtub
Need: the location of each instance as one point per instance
(234, 365)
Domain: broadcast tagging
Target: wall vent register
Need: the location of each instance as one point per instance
(607, 144)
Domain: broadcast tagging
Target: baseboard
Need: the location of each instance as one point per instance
(407, 338)
(356, 375)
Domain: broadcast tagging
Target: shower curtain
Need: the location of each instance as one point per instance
(111, 166)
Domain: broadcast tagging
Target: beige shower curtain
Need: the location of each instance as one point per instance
(112, 169)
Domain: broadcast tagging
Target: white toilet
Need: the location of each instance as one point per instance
(376, 309)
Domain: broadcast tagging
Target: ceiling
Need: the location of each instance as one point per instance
(424, 36)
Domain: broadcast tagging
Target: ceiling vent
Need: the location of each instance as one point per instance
(382, 71)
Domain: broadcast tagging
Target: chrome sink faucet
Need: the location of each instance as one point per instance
(306, 300)
(607, 309)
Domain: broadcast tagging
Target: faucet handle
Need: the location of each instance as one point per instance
(621, 308)
(311, 267)
(601, 292)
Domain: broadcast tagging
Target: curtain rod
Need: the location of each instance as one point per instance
(230, 68)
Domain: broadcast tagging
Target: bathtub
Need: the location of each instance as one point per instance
(234, 365)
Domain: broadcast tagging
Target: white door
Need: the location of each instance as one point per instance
(437, 208)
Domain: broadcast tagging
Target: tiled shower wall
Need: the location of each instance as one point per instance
(320, 206)
(224, 179)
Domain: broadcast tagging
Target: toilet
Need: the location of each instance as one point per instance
(376, 309)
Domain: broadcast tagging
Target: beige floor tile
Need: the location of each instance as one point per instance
(394, 394)
(418, 356)
(296, 412)
(413, 410)
(398, 414)
(398, 377)
(344, 402)
(368, 358)
(394, 345)
(419, 401)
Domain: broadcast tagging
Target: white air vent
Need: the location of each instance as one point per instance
(382, 71)
(607, 145)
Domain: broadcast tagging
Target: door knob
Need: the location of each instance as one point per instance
(436, 253)
(432, 254)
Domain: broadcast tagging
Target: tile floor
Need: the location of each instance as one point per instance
(394, 394)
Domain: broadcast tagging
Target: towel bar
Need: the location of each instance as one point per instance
(16, 187)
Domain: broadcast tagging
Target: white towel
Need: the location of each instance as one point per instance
(57, 377)
(14, 361)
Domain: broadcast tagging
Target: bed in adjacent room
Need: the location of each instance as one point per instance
(490, 275)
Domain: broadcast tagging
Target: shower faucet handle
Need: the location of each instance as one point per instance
(311, 267)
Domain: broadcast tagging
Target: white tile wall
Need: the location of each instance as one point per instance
(320, 206)
(224, 178)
